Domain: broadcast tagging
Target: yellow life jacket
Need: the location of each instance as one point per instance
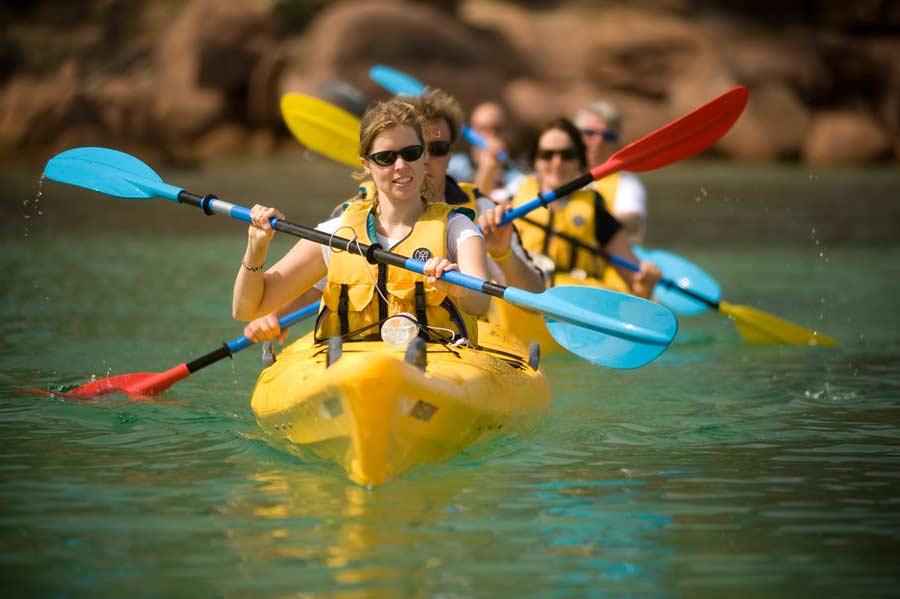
(351, 300)
(575, 218)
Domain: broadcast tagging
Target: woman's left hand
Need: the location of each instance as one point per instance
(434, 268)
(646, 279)
(496, 238)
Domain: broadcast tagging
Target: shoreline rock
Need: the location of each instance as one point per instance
(205, 77)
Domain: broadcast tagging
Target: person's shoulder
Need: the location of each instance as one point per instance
(331, 225)
(631, 180)
(463, 218)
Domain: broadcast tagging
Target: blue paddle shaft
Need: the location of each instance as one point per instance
(545, 198)
(553, 308)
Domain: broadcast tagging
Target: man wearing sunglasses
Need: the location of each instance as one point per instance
(509, 264)
(481, 166)
(600, 124)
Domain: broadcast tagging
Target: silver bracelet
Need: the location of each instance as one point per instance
(252, 268)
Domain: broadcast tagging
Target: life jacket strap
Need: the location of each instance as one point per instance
(421, 315)
(344, 308)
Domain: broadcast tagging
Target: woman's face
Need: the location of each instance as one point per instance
(437, 139)
(402, 180)
(556, 160)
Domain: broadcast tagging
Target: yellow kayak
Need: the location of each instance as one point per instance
(375, 411)
(530, 326)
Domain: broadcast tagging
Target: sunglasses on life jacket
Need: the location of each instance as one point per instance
(607, 135)
(439, 148)
(565, 154)
(389, 157)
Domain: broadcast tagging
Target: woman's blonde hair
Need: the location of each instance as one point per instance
(386, 115)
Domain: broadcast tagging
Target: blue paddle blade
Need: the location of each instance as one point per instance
(641, 329)
(685, 275)
(108, 171)
(395, 82)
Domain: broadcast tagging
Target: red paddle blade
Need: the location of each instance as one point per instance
(114, 384)
(689, 135)
(135, 384)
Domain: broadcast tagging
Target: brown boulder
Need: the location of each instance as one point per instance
(844, 138)
(224, 139)
(791, 59)
(612, 47)
(344, 40)
(772, 126)
(203, 64)
(124, 106)
(35, 111)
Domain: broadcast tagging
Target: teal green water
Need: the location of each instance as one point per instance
(721, 469)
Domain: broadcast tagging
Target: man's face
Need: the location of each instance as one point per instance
(437, 137)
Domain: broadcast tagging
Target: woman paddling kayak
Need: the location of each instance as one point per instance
(398, 217)
(558, 157)
(508, 263)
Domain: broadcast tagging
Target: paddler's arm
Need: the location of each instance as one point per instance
(266, 328)
(257, 291)
(507, 253)
(641, 282)
(472, 261)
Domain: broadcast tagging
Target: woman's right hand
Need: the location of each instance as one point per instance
(261, 228)
(265, 328)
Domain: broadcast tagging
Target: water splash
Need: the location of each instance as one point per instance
(32, 207)
(825, 260)
(703, 193)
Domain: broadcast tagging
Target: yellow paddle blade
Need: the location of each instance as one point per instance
(322, 127)
(757, 326)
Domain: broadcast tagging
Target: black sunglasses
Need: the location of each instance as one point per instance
(389, 157)
(607, 135)
(566, 154)
(439, 148)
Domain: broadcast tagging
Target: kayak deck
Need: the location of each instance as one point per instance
(377, 415)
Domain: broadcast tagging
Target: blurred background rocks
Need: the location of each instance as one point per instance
(183, 81)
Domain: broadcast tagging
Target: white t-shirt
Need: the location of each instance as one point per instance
(631, 197)
(459, 229)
